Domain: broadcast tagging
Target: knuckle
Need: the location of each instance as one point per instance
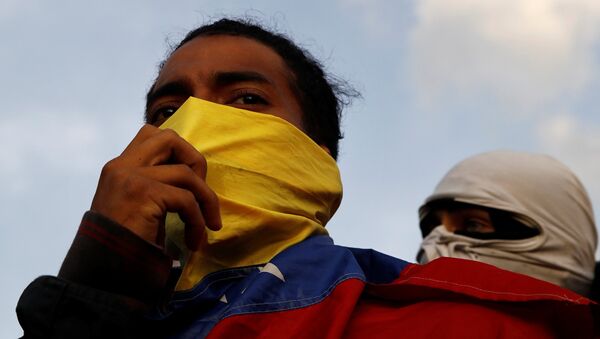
(170, 135)
(212, 196)
(215, 197)
(148, 128)
(189, 199)
(186, 170)
(189, 203)
(169, 138)
(198, 164)
(110, 165)
(145, 132)
(187, 174)
(109, 168)
(202, 163)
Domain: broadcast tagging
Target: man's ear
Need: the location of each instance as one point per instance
(326, 149)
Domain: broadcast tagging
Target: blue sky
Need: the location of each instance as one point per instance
(441, 80)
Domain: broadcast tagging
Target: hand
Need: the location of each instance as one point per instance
(158, 172)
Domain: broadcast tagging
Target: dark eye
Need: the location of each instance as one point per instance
(247, 98)
(166, 111)
(478, 226)
(161, 114)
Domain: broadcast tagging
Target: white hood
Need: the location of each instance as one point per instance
(542, 193)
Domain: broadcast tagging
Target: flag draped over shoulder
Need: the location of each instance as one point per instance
(316, 289)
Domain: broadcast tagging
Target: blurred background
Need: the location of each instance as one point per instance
(441, 80)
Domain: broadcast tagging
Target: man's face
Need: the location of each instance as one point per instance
(228, 70)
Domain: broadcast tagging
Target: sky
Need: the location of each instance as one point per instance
(441, 80)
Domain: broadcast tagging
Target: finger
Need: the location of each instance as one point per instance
(183, 203)
(184, 177)
(147, 131)
(167, 146)
(194, 238)
(161, 234)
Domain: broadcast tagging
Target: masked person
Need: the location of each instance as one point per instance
(527, 213)
(235, 176)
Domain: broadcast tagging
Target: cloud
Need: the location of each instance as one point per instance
(566, 134)
(575, 143)
(517, 56)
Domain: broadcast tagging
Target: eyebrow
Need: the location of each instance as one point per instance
(180, 87)
(222, 79)
(183, 87)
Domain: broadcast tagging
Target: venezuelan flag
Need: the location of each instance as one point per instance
(316, 289)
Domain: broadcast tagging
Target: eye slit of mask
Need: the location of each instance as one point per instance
(509, 228)
(505, 227)
(504, 224)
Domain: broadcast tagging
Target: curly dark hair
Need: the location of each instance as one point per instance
(322, 97)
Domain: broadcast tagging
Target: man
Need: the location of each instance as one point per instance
(527, 213)
(241, 194)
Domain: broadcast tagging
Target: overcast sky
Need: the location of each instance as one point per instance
(441, 80)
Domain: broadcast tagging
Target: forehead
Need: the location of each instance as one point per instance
(205, 55)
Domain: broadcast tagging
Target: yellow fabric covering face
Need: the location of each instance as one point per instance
(275, 185)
